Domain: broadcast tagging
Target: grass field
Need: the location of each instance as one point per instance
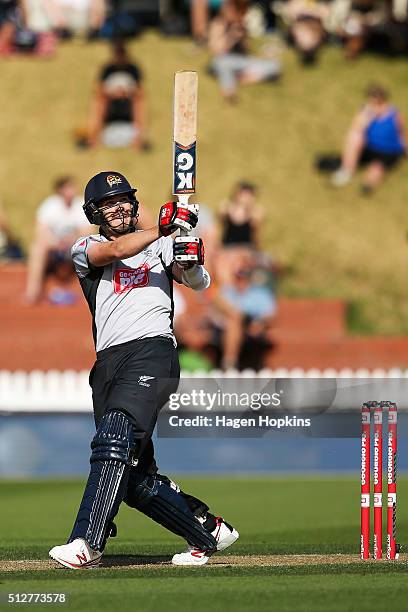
(298, 550)
(336, 243)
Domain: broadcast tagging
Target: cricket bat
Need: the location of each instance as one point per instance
(185, 137)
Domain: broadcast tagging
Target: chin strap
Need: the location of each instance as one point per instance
(103, 232)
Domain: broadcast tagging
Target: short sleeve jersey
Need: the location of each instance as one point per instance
(130, 298)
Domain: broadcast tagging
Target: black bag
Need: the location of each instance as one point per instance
(25, 40)
(327, 162)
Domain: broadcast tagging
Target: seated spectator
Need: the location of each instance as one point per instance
(9, 17)
(60, 221)
(241, 313)
(376, 139)
(229, 323)
(251, 298)
(228, 43)
(201, 11)
(128, 18)
(257, 306)
(305, 23)
(360, 18)
(10, 248)
(391, 35)
(20, 32)
(118, 113)
(68, 17)
(240, 218)
(213, 327)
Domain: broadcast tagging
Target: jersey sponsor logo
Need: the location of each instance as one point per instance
(130, 278)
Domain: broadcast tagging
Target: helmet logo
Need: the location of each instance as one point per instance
(113, 179)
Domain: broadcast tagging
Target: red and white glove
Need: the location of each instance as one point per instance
(174, 216)
(188, 251)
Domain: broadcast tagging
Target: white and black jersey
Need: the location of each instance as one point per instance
(131, 298)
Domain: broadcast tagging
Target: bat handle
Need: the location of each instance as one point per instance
(183, 199)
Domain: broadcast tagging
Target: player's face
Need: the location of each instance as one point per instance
(117, 212)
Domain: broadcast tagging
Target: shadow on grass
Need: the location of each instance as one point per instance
(126, 560)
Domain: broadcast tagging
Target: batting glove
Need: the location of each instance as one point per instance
(188, 251)
(174, 216)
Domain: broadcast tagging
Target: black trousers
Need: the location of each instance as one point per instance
(137, 378)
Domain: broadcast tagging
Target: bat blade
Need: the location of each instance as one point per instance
(184, 134)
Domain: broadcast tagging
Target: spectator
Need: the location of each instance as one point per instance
(212, 326)
(201, 11)
(21, 32)
(229, 323)
(254, 300)
(128, 18)
(384, 29)
(228, 43)
(118, 115)
(10, 248)
(240, 218)
(361, 17)
(9, 17)
(68, 17)
(60, 222)
(256, 304)
(376, 138)
(305, 22)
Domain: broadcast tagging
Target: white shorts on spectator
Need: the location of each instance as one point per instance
(119, 134)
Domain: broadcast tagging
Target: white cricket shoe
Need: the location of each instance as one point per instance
(224, 534)
(76, 555)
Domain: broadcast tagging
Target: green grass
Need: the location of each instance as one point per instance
(274, 516)
(337, 243)
(223, 590)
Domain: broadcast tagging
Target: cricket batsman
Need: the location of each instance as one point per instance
(126, 276)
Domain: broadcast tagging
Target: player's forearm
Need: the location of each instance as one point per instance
(196, 278)
(105, 253)
(132, 244)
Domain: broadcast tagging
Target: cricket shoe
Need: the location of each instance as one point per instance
(76, 555)
(224, 534)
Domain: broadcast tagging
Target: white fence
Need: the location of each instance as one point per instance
(69, 391)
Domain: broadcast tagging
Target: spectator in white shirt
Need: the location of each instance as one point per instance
(60, 221)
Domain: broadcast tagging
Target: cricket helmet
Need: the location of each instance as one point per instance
(102, 186)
